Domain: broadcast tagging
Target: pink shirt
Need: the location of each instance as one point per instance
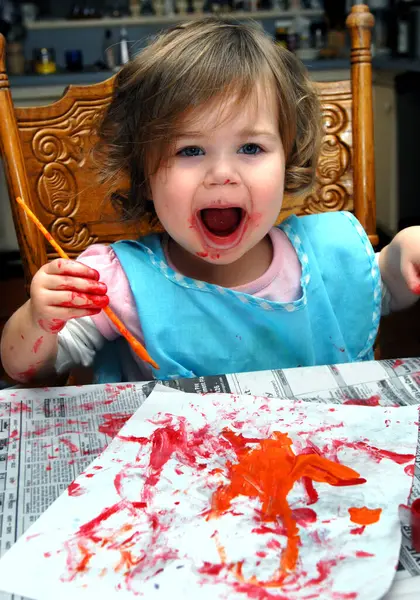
(280, 283)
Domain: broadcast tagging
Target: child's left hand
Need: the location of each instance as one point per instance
(399, 263)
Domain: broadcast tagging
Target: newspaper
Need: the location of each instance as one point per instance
(50, 435)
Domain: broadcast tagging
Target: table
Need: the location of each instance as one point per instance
(50, 435)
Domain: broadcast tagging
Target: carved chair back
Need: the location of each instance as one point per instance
(47, 161)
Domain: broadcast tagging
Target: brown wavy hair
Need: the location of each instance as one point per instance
(184, 68)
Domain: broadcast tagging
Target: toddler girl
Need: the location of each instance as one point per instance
(211, 124)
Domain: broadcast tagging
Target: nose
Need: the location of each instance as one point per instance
(221, 172)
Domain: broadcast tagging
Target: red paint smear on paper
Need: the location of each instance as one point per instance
(376, 453)
(211, 569)
(372, 401)
(72, 447)
(19, 407)
(266, 469)
(364, 515)
(75, 489)
(409, 470)
(324, 570)
(37, 344)
(358, 530)
(363, 554)
(113, 423)
(397, 363)
(41, 431)
(310, 490)
(302, 516)
(268, 472)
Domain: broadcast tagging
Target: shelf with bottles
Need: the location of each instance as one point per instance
(161, 19)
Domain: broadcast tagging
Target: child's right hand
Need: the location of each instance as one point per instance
(65, 289)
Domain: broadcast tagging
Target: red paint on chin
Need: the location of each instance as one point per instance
(202, 254)
(28, 374)
(416, 289)
(37, 344)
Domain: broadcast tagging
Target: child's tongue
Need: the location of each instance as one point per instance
(221, 221)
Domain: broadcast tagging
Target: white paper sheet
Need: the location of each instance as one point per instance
(138, 522)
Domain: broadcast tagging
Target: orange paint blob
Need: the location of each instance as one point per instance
(364, 515)
(267, 469)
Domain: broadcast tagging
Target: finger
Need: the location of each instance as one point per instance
(411, 273)
(78, 300)
(62, 315)
(75, 284)
(72, 268)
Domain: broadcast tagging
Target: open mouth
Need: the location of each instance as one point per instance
(222, 227)
(222, 222)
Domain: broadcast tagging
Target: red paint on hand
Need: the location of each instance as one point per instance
(88, 301)
(53, 326)
(97, 288)
(364, 515)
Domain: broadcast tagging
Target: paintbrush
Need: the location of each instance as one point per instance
(135, 344)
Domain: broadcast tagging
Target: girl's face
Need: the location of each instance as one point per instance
(222, 189)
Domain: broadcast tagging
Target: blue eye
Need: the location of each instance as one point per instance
(190, 151)
(250, 149)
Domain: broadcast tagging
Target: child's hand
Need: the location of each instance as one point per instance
(65, 289)
(399, 263)
(410, 258)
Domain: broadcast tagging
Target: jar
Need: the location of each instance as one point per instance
(15, 58)
(44, 61)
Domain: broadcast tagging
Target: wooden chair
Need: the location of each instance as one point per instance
(47, 161)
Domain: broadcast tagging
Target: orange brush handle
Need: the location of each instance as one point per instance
(135, 344)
